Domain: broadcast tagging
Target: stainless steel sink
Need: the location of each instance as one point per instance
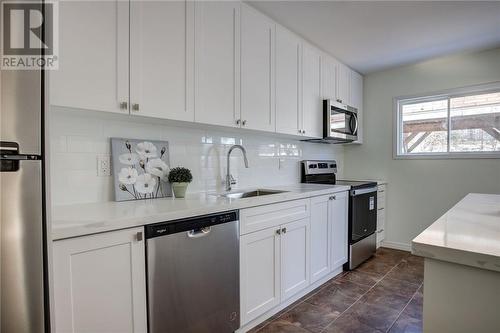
(249, 194)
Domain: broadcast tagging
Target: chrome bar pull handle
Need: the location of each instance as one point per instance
(199, 233)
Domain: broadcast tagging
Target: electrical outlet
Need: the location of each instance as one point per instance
(103, 165)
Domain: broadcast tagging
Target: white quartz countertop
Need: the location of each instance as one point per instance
(468, 234)
(84, 219)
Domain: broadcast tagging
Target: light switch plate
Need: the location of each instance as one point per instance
(103, 165)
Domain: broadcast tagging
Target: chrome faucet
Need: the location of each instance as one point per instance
(229, 178)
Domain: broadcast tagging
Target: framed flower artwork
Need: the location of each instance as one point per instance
(140, 169)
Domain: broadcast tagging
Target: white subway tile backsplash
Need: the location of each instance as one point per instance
(80, 144)
(77, 137)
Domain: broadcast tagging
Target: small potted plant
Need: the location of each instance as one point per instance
(180, 178)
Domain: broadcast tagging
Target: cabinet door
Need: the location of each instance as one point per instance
(162, 59)
(259, 273)
(257, 70)
(99, 283)
(93, 59)
(288, 78)
(312, 106)
(320, 237)
(295, 256)
(339, 215)
(343, 83)
(356, 100)
(217, 62)
(328, 78)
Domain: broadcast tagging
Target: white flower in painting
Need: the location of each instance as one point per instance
(127, 176)
(129, 158)
(145, 183)
(157, 168)
(146, 149)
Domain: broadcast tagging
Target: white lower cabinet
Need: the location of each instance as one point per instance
(259, 273)
(274, 265)
(338, 212)
(329, 230)
(286, 247)
(381, 213)
(100, 283)
(321, 227)
(294, 257)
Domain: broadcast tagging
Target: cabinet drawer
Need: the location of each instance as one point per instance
(380, 219)
(380, 236)
(380, 201)
(262, 217)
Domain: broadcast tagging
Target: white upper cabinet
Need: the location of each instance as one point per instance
(320, 236)
(100, 283)
(288, 82)
(356, 99)
(93, 59)
(343, 83)
(162, 59)
(339, 214)
(312, 106)
(217, 63)
(257, 70)
(210, 62)
(328, 78)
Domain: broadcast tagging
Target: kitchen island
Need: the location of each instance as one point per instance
(462, 267)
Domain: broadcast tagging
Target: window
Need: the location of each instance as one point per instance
(460, 123)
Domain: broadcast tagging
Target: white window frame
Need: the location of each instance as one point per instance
(445, 94)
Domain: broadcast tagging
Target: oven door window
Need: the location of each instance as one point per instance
(342, 122)
(364, 215)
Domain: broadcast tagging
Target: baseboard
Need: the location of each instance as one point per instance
(396, 245)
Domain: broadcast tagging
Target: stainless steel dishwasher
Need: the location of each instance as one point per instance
(193, 274)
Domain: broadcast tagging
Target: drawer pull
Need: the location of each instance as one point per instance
(278, 232)
(283, 230)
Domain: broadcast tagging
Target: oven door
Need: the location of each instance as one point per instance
(363, 213)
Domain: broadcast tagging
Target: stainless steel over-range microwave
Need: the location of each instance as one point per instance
(340, 122)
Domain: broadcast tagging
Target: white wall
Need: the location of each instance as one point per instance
(420, 191)
(78, 137)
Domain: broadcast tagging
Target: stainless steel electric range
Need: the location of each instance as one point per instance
(362, 208)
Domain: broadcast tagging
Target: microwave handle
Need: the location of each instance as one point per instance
(355, 130)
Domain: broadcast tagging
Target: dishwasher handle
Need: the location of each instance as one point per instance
(198, 233)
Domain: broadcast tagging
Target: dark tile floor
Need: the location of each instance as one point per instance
(385, 294)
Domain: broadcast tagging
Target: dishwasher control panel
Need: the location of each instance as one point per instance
(196, 223)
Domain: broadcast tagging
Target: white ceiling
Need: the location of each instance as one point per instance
(375, 35)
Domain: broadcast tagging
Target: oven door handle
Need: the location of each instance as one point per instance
(363, 191)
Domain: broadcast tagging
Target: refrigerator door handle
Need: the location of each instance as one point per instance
(20, 157)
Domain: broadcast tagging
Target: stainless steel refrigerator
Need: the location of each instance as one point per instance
(22, 226)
